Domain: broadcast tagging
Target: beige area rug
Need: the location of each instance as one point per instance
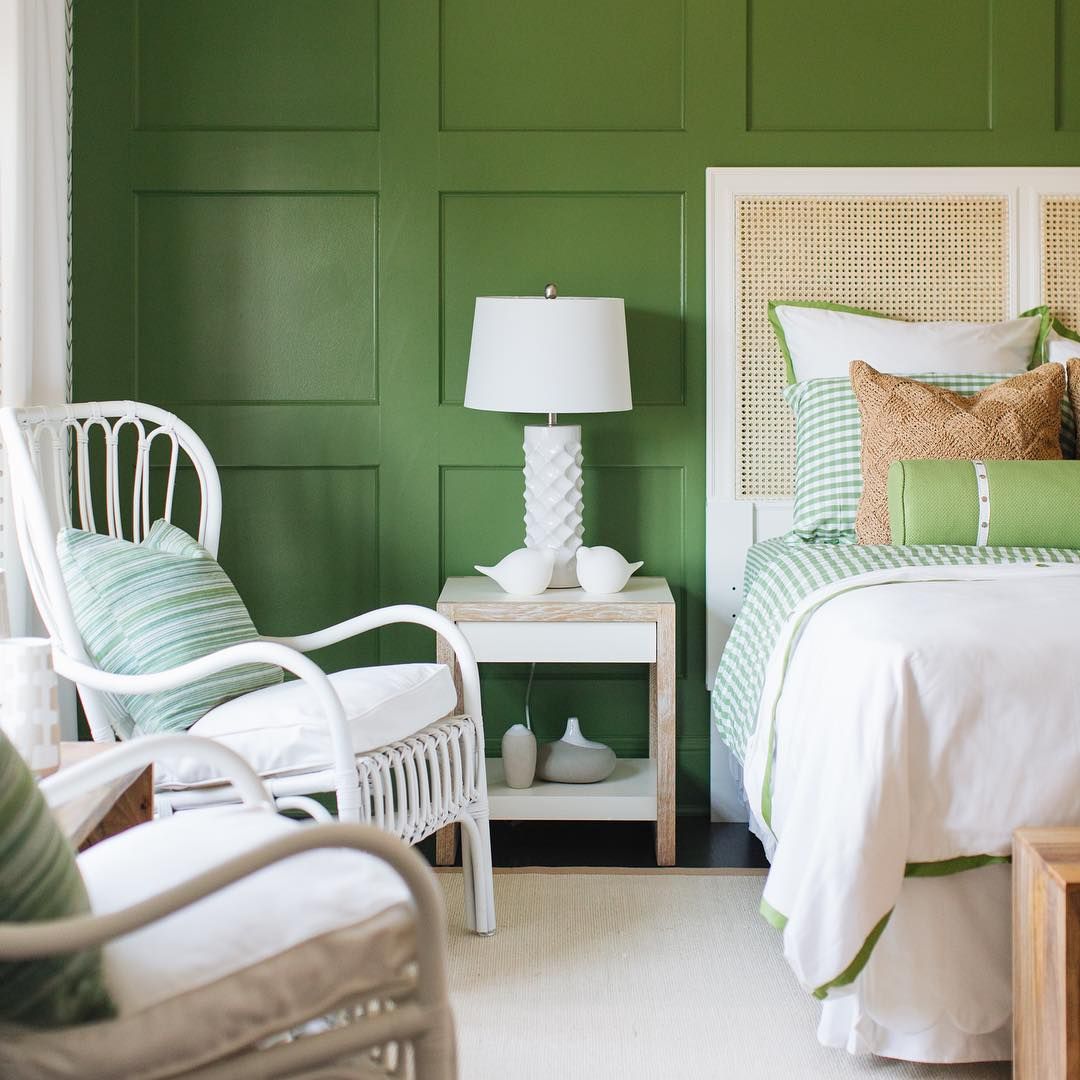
(667, 975)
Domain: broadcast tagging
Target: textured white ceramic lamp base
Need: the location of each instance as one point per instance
(553, 502)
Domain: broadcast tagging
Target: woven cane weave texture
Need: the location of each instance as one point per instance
(1061, 257)
(917, 257)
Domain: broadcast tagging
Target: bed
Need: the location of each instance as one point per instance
(884, 717)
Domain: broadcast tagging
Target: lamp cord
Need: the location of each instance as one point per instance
(528, 694)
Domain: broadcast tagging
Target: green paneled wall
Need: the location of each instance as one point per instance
(271, 301)
(284, 208)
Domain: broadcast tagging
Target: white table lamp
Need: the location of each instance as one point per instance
(550, 354)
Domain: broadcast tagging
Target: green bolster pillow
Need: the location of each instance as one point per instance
(992, 503)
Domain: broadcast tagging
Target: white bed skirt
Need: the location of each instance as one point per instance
(938, 984)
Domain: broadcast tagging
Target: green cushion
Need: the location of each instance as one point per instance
(828, 445)
(1029, 503)
(40, 880)
(147, 607)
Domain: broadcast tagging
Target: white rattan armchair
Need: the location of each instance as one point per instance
(412, 787)
(399, 1025)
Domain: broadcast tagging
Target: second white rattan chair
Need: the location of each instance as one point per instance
(431, 775)
(241, 946)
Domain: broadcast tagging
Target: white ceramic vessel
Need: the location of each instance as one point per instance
(603, 569)
(519, 756)
(524, 572)
(29, 712)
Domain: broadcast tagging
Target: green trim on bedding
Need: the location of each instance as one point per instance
(767, 786)
(1037, 354)
(851, 972)
(780, 574)
(1064, 331)
(823, 305)
(945, 867)
(767, 778)
(772, 916)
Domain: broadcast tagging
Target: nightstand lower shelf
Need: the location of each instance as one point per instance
(629, 794)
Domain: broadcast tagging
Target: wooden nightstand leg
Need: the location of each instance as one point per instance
(652, 711)
(446, 845)
(663, 684)
(446, 838)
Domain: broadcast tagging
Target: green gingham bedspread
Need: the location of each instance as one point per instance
(780, 572)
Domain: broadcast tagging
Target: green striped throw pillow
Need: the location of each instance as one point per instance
(147, 607)
(39, 880)
(828, 445)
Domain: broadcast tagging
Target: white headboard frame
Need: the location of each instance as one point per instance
(1008, 274)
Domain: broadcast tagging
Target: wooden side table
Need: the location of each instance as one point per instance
(110, 808)
(564, 626)
(1046, 954)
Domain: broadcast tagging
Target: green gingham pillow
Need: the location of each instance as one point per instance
(828, 442)
(147, 607)
(39, 880)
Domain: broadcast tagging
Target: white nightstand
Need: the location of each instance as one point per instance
(569, 626)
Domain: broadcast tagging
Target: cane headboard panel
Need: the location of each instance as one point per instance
(917, 257)
(1061, 256)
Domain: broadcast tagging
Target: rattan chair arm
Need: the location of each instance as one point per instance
(125, 758)
(254, 652)
(390, 616)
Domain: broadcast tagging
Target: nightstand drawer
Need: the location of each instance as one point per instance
(562, 642)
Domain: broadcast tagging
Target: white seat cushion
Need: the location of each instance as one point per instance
(271, 951)
(281, 729)
(255, 918)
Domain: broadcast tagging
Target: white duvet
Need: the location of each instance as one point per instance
(911, 716)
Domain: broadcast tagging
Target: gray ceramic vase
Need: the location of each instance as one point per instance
(519, 756)
(573, 759)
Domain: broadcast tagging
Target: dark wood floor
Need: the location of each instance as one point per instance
(699, 843)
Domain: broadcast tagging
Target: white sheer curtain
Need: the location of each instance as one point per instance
(35, 234)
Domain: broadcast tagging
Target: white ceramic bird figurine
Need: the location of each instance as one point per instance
(603, 570)
(524, 572)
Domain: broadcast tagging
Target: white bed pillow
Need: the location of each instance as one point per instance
(820, 340)
(1059, 348)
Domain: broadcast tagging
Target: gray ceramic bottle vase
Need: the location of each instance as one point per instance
(519, 756)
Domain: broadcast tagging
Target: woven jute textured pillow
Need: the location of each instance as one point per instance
(1017, 419)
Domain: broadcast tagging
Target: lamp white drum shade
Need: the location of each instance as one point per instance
(565, 355)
